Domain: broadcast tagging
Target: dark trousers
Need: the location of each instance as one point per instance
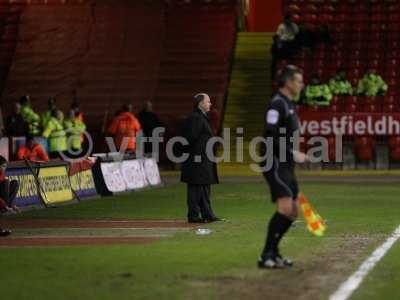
(8, 190)
(198, 201)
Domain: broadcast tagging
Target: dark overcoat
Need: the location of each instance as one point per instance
(197, 131)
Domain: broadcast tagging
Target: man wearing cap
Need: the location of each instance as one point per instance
(198, 171)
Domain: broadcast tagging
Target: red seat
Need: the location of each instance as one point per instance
(296, 18)
(350, 100)
(310, 8)
(335, 100)
(327, 18)
(391, 73)
(392, 63)
(395, 154)
(389, 108)
(394, 44)
(378, 18)
(332, 148)
(335, 108)
(310, 18)
(373, 55)
(293, 8)
(370, 100)
(371, 108)
(375, 64)
(395, 18)
(389, 99)
(364, 148)
(394, 141)
(350, 108)
(394, 145)
(327, 8)
(377, 8)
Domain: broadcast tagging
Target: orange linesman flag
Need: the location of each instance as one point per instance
(315, 223)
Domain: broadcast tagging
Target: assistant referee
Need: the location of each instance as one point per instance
(281, 123)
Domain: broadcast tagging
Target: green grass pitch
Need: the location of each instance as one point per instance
(221, 265)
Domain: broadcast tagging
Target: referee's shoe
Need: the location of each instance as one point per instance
(274, 261)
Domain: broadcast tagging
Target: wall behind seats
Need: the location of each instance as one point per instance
(103, 52)
(264, 16)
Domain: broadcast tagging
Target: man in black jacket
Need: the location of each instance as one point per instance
(199, 171)
(281, 126)
(149, 121)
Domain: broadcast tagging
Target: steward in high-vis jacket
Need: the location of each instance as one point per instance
(74, 128)
(46, 116)
(339, 85)
(317, 93)
(372, 84)
(55, 134)
(125, 126)
(29, 116)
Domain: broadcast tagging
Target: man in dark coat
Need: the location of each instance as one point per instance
(15, 123)
(149, 121)
(198, 171)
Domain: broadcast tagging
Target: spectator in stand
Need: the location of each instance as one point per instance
(32, 151)
(149, 121)
(46, 116)
(75, 128)
(55, 133)
(276, 55)
(15, 123)
(8, 192)
(311, 37)
(339, 85)
(372, 84)
(29, 116)
(317, 93)
(287, 32)
(305, 38)
(124, 129)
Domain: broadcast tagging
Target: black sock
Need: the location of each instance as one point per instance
(278, 226)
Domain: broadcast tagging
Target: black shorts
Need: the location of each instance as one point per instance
(282, 180)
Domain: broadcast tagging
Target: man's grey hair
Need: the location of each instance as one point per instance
(199, 97)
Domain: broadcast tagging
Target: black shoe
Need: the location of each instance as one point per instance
(284, 262)
(272, 260)
(197, 220)
(267, 263)
(5, 232)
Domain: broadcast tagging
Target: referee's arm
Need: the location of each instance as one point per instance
(273, 120)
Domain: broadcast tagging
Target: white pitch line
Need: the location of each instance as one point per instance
(353, 282)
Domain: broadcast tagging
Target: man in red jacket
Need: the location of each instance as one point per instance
(124, 129)
(32, 151)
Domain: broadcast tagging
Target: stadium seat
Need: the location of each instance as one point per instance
(394, 147)
(335, 108)
(394, 141)
(389, 108)
(350, 108)
(332, 148)
(389, 99)
(364, 148)
(371, 108)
